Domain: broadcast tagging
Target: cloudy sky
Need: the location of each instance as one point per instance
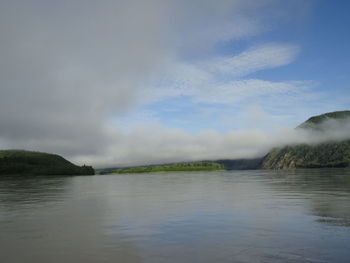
(128, 82)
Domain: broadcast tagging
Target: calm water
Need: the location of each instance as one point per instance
(241, 216)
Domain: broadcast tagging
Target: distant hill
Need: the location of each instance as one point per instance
(241, 164)
(175, 167)
(218, 165)
(23, 162)
(328, 154)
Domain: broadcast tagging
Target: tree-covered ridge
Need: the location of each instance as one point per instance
(330, 154)
(37, 163)
(315, 121)
(176, 167)
(327, 154)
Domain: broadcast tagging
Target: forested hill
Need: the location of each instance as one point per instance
(21, 162)
(327, 154)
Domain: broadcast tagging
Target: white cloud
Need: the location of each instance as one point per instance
(219, 80)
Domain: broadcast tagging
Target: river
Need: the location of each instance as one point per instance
(238, 216)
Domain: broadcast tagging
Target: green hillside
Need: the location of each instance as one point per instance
(37, 163)
(218, 165)
(176, 167)
(328, 154)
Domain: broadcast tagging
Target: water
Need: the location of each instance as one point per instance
(241, 216)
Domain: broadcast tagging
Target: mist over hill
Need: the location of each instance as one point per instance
(334, 152)
(321, 141)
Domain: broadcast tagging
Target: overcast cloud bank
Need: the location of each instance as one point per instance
(68, 68)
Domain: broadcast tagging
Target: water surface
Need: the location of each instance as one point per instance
(240, 216)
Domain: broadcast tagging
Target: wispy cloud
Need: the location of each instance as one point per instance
(254, 59)
(221, 80)
(240, 90)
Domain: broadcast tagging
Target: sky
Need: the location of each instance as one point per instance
(130, 82)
